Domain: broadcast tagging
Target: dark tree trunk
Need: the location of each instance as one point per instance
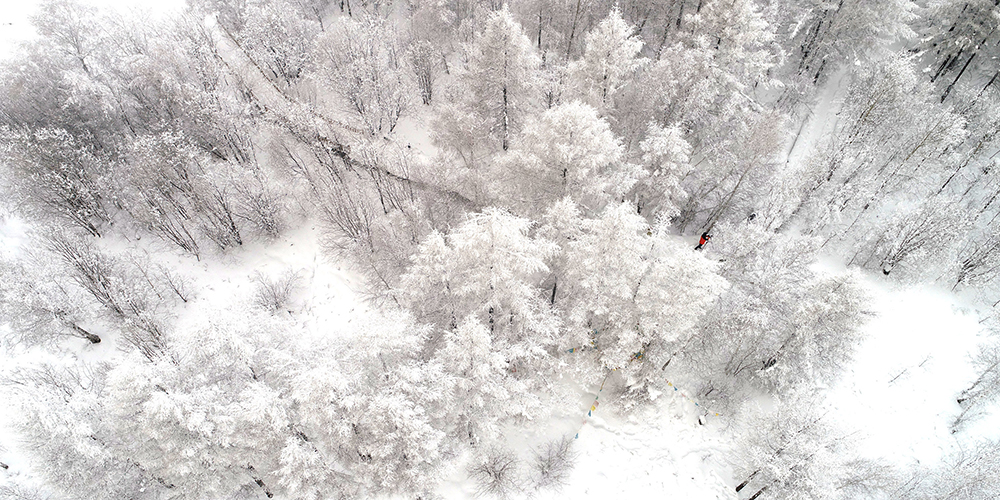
(747, 481)
(506, 121)
(960, 73)
(94, 339)
(759, 492)
(572, 31)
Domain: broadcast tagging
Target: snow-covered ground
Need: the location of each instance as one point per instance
(901, 389)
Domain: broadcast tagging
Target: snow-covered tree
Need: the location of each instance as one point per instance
(365, 65)
(479, 287)
(741, 166)
(610, 60)
(242, 408)
(965, 474)
(169, 194)
(635, 289)
(278, 39)
(780, 325)
(368, 412)
(59, 178)
(978, 259)
(488, 269)
(972, 31)
(495, 91)
(69, 25)
(484, 392)
(114, 284)
(40, 310)
(425, 60)
(821, 36)
(567, 151)
(61, 421)
(666, 157)
(741, 38)
(799, 453)
(912, 238)
(975, 398)
(875, 164)
(205, 420)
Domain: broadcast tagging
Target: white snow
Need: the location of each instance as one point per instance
(901, 389)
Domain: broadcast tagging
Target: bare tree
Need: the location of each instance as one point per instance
(497, 474)
(424, 59)
(113, 285)
(552, 463)
(984, 390)
(274, 294)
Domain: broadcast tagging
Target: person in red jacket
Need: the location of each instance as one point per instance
(704, 239)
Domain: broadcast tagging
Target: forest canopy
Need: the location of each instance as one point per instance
(520, 187)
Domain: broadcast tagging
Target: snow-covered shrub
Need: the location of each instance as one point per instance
(497, 473)
(274, 293)
(552, 463)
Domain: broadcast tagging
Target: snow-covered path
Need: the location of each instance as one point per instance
(651, 454)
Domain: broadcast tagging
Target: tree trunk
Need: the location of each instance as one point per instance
(572, 30)
(539, 29)
(747, 481)
(506, 121)
(759, 492)
(260, 482)
(94, 339)
(960, 73)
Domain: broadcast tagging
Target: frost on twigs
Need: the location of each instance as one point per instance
(497, 474)
(20, 492)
